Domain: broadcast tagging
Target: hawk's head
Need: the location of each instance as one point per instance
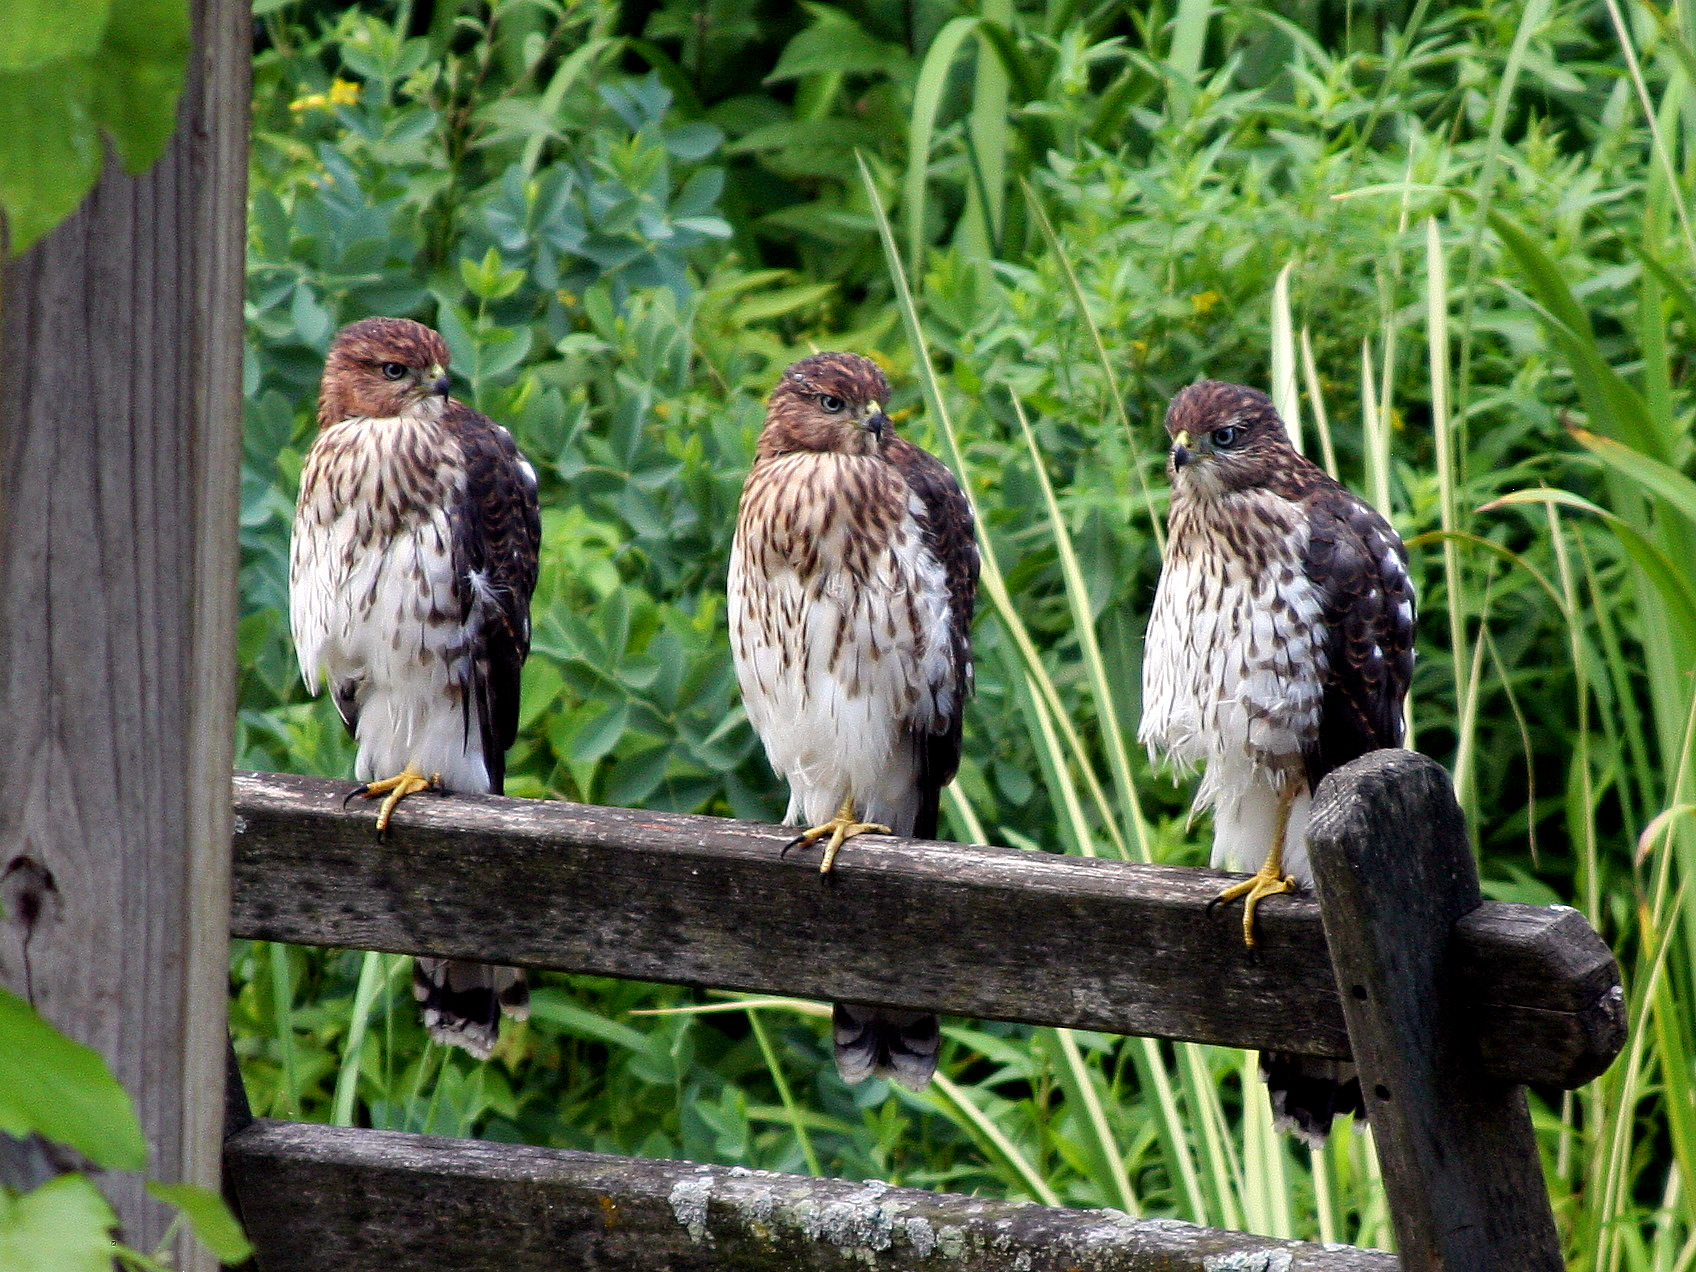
(380, 368)
(828, 402)
(1224, 437)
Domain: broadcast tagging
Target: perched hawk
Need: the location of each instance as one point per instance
(1280, 647)
(410, 574)
(852, 580)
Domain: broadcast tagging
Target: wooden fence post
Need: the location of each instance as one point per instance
(1394, 874)
(120, 445)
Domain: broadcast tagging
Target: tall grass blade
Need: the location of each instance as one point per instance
(927, 101)
(1078, 1082)
(983, 225)
(1286, 394)
(1115, 394)
(953, 1103)
(1316, 398)
(991, 581)
(282, 1007)
(784, 1096)
(1189, 38)
(1448, 484)
(347, 1075)
(1663, 155)
(1083, 627)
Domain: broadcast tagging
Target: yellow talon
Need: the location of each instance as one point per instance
(394, 789)
(1270, 879)
(840, 828)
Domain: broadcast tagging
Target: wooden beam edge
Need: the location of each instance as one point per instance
(318, 1196)
(1158, 961)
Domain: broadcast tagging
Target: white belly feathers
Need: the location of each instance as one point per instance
(373, 603)
(837, 669)
(1234, 675)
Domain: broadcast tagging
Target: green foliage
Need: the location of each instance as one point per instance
(71, 77)
(62, 1091)
(1060, 214)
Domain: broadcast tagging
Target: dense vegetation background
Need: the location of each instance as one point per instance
(1454, 240)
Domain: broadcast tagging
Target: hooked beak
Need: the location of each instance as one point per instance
(876, 423)
(1181, 452)
(439, 380)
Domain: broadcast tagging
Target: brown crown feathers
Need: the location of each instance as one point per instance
(379, 367)
(828, 402)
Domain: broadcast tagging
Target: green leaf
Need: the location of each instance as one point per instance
(487, 279)
(63, 1090)
(49, 150)
(59, 85)
(63, 1226)
(552, 1007)
(1656, 478)
(835, 44)
(38, 32)
(138, 77)
(214, 1226)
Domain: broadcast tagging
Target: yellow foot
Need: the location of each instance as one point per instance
(1268, 881)
(840, 828)
(393, 790)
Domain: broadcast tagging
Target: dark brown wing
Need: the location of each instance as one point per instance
(949, 534)
(497, 531)
(1360, 567)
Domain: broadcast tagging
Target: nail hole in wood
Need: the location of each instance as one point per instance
(1359, 991)
(1381, 1091)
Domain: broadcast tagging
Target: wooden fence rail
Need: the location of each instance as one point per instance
(994, 933)
(1452, 1003)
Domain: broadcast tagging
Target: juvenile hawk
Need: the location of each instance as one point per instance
(410, 574)
(1280, 647)
(852, 580)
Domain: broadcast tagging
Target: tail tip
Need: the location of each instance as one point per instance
(876, 1042)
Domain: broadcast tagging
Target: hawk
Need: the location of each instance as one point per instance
(1280, 647)
(411, 568)
(852, 581)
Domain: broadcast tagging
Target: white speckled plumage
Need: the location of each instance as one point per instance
(412, 563)
(1234, 675)
(1280, 647)
(839, 673)
(851, 585)
(374, 608)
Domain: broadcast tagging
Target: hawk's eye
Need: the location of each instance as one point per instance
(397, 371)
(1227, 437)
(831, 402)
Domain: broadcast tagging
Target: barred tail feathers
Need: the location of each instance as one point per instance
(1307, 1092)
(879, 1042)
(464, 1002)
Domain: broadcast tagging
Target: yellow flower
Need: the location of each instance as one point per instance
(342, 93)
(1202, 302)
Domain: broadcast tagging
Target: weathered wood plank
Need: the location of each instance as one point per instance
(120, 441)
(317, 1197)
(1395, 874)
(963, 929)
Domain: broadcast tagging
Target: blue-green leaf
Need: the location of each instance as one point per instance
(63, 1090)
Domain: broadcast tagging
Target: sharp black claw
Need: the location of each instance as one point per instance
(793, 843)
(355, 793)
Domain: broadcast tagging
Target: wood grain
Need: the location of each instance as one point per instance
(120, 441)
(1394, 872)
(967, 930)
(317, 1197)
